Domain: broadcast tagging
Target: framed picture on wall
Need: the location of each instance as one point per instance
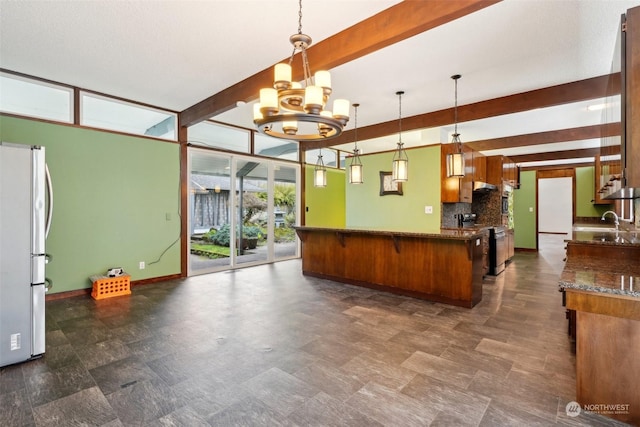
(388, 186)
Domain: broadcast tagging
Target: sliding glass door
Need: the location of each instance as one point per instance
(241, 211)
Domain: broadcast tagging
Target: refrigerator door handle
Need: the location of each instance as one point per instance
(50, 194)
(48, 284)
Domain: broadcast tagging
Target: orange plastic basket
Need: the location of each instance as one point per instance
(107, 287)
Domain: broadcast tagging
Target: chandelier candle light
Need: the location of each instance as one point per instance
(455, 161)
(291, 111)
(400, 168)
(355, 168)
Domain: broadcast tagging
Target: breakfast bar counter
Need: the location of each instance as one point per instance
(439, 265)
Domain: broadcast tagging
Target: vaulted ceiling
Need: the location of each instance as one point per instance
(530, 67)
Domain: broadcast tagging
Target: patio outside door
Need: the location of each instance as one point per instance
(241, 211)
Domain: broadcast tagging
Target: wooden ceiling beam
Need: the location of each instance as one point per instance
(399, 22)
(557, 155)
(561, 135)
(596, 87)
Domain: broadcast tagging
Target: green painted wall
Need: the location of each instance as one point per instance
(366, 208)
(585, 190)
(524, 211)
(116, 201)
(325, 205)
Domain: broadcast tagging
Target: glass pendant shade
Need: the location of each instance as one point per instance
(320, 173)
(400, 166)
(355, 174)
(455, 165)
(355, 168)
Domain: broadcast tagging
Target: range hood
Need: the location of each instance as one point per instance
(483, 187)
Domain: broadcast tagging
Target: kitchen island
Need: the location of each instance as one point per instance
(601, 288)
(442, 265)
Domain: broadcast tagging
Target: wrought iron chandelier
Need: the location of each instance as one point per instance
(355, 168)
(400, 165)
(455, 161)
(295, 111)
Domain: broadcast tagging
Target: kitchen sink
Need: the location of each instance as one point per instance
(595, 228)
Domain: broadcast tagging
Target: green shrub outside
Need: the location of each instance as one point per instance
(223, 236)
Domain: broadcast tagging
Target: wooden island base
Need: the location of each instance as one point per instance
(444, 266)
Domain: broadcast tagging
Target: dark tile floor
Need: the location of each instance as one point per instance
(267, 346)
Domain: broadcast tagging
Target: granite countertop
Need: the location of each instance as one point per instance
(451, 234)
(605, 235)
(601, 275)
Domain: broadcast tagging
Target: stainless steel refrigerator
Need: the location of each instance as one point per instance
(26, 203)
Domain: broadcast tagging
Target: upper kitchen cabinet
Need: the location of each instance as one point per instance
(479, 167)
(456, 190)
(502, 170)
(619, 169)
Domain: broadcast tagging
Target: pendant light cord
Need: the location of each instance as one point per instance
(400, 116)
(455, 111)
(355, 130)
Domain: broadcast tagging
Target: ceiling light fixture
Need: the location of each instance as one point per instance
(455, 161)
(320, 172)
(400, 169)
(355, 168)
(291, 111)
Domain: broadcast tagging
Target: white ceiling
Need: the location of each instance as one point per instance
(172, 54)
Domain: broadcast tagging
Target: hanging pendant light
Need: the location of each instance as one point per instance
(400, 168)
(355, 168)
(455, 161)
(294, 111)
(320, 172)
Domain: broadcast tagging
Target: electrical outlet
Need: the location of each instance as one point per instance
(428, 209)
(141, 266)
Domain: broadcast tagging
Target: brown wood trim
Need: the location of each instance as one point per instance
(67, 294)
(561, 135)
(565, 93)
(76, 106)
(399, 22)
(557, 155)
(553, 167)
(87, 291)
(626, 307)
(558, 172)
(153, 280)
(184, 199)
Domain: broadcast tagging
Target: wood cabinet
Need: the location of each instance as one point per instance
(456, 190)
(511, 250)
(502, 170)
(479, 167)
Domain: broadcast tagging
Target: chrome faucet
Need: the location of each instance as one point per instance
(616, 220)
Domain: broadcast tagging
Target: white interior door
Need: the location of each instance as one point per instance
(555, 205)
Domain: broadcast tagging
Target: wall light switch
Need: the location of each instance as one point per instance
(428, 209)
(530, 209)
